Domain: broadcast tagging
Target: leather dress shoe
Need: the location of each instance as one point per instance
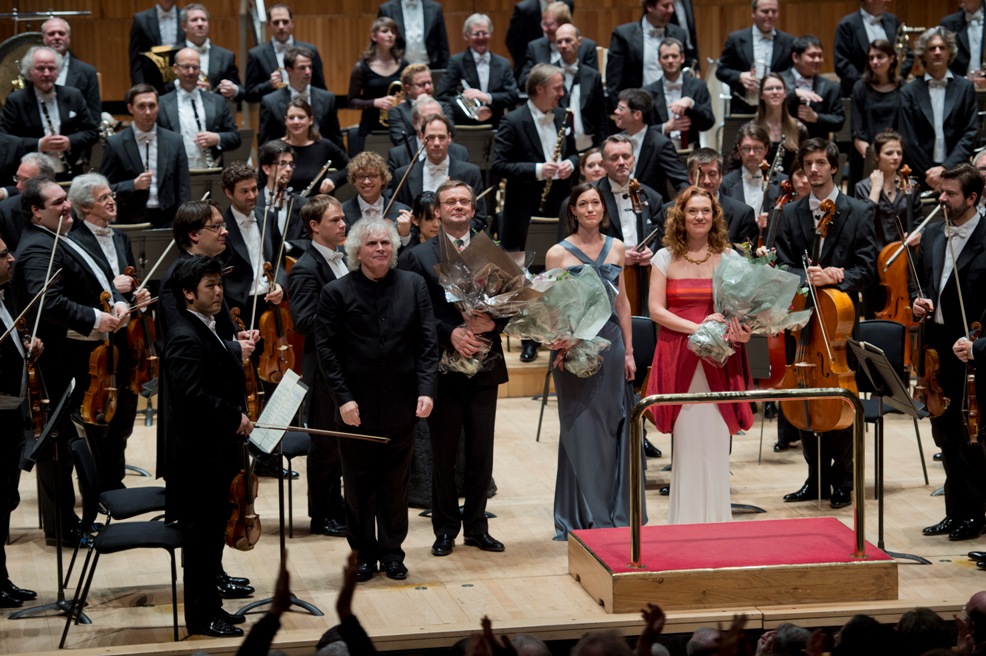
(331, 527)
(977, 555)
(365, 571)
(229, 590)
(841, 498)
(269, 471)
(238, 580)
(529, 352)
(230, 617)
(981, 565)
(665, 491)
(808, 492)
(780, 446)
(650, 450)
(70, 538)
(17, 593)
(443, 546)
(8, 600)
(395, 570)
(217, 628)
(770, 410)
(941, 528)
(937, 457)
(967, 529)
(484, 541)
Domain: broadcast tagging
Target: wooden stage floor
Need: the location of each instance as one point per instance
(527, 588)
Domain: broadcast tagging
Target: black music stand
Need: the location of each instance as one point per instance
(888, 386)
(51, 435)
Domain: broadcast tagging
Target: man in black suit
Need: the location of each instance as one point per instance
(529, 154)
(378, 349)
(746, 183)
(684, 17)
(95, 205)
(73, 323)
(633, 48)
(437, 167)
(584, 93)
(369, 175)
(276, 160)
(265, 63)
(417, 83)
(218, 64)
(961, 190)
(943, 141)
(480, 75)
(545, 50)
(525, 26)
(969, 28)
(57, 35)
(421, 28)
(751, 53)
(49, 118)
(657, 162)
(157, 26)
(146, 164)
(206, 389)
(201, 117)
(12, 217)
(463, 403)
(11, 152)
(853, 36)
(318, 266)
(812, 99)
(682, 104)
(846, 261)
(401, 154)
(273, 107)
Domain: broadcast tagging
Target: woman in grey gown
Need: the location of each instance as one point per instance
(592, 488)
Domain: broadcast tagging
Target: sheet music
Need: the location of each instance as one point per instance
(280, 410)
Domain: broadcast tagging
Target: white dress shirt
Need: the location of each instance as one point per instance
(104, 237)
(937, 92)
(280, 216)
(251, 237)
(50, 121)
(873, 26)
(624, 206)
(433, 175)
(279, 50)
(191, 119)
(482, 62)
(335, 259)
(752, 188)
(168, 25)
(652, 43)
(672, 94)
(147, 146)
(637, 140)
(63, 74)
(974, 29)
(959, 237)
(203, 51)
(547, 133)
(414, 32)
(368, 210)
(814, 204)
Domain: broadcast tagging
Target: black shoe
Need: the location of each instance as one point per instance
(230, 617)
(967, 529)
(780, 446)
(395, 570)
(70, 538)
(228, 590)
(331, 527)
(530, 352)
(484, 541)
(937, 457)
(977, 555)
(650, 450)
(981, 564)
(665, 491)
(238, 580)
(841, 498)
(808, 492)
(365, 571)
(941, 528)
(770, 410)
(217, 628)
(8, 600)
(269, 471)
(19, 594)
(443, 546)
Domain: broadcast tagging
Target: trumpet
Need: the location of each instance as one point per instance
(469, 107)
(555, 156)
(396, 89)
(902, 41)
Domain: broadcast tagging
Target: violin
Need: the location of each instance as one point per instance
(278, 356)
(970, 406)
(253, 391)
(633, 279)
(99, 403)
(243, 526)
(37, 393)
(140, 338)
(821, 354)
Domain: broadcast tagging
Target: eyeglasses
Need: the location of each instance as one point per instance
(5, 253)
(452, 202)
(752, 150)
(367, 176)
(479, 35)
(188, 67)
(286, 165)
(105, 198)
(215, 227)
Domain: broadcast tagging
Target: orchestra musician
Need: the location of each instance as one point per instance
(969, 28)
(657, 163)
(682, 104)
(218, 64)
(157, 26)
(420, 31)
(56, 33)
(277, 169)
(368, 174)
(265, 62)
(417, 83)
(545, 50)
(853, 36)
(525, 27)
(746, 183)
(371, 82)
(583, 89)
(814, 99)
(944, 281)
(11, 152)
(401, 154)
(12, 218)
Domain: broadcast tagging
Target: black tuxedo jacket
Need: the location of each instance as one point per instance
(352, 213)
(625, 63)
(399, 121)
(21, 117)
(122, 163)
(324, 112)
(83, 77)
(852, 45)
(957, 24)
(457, 169)
(305, 282)
(297, 235)
(422, 260)
(12, 221)
(732, 186)
(11, 151)
(11, 371)
(916, 124)
(398, 157)
(238, 283)
(145, 33)
(262, 61)
(659, 164)
(700, 113)
(592, 104)
(170, 303)
(222, 66)
(525, 26)
(436, 40)
(737, 57)
(831, 116)
(539, 52)
(502, 85)
(218, 119)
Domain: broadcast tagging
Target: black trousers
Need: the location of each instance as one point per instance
(324, 464)
(470, 407)
(11, 443)
(965, 465)
(836, 454)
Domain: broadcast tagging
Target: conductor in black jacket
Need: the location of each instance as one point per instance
(463, 403)
(377, 347)
(206, 392)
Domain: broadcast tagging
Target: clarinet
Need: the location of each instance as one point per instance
(51, 126)
(209, 162)
(555, 156)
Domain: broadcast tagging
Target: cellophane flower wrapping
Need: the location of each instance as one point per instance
(482, 278)
(574, 308)
(758, 295)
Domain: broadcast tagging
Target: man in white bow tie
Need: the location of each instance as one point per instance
(968, 26)
(265, 62)
(682, 104)
(56, 33)
(853, 35)
(157, 26)
(219, 72)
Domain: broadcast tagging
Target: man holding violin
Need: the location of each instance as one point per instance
(952, 270)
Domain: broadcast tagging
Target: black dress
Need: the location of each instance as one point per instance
(365, 86)
(872, 112)
(310, 159)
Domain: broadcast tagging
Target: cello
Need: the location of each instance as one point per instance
(821, 354)
(243, 526)
(99, 402)
(140, 338)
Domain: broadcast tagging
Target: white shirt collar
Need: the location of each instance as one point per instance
(327, 253)
(141, 136)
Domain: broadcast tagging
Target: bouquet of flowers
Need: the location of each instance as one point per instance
(758, 295)
(574, 309)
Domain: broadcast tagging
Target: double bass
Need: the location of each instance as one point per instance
(243, 526)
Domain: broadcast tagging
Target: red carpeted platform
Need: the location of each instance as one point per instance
(771, 562)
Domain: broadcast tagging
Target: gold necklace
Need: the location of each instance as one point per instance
(708, 254)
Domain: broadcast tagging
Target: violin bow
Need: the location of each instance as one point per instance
(397, 189)
(329, 433)
(955, 272)
(258, 271)
(287, 224)
(27, 309)
(48, 276)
